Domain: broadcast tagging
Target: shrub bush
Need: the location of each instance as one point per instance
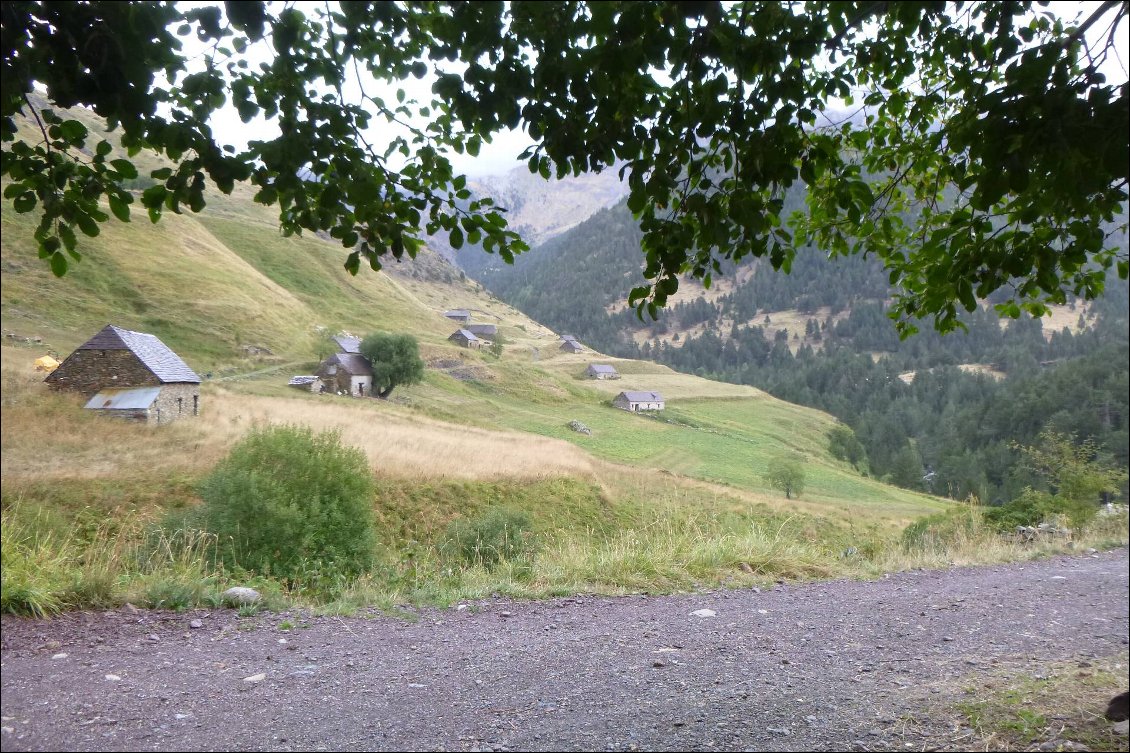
(499, 534)
(1029, 509)
(287, 501)
(944, 530)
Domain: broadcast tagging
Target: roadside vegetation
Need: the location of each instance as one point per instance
(1052, 707)
(97, 513)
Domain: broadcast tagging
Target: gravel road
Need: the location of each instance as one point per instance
(837, 665)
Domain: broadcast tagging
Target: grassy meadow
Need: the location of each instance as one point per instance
(95, 511)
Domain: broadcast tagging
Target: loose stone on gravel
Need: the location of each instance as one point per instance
(241, 596)
(196, 624)
(704, 613)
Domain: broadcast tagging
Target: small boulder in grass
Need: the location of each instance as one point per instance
(241, 596)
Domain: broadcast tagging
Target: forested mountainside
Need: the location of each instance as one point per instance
(940, 413)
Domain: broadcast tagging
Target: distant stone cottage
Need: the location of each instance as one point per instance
(601, 371)
(347, 373)
(130, 374)
(458, 315)
(348, 344)
(465, 338)
(488, 331)
(571, 346)
(639, 401)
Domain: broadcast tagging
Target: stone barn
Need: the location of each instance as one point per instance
(465, 338)
(570, 345)
(639, 401)
(347, 373)
(348, 343)
(130, 374)
(601, 371)
(485, 331)
(458, 315)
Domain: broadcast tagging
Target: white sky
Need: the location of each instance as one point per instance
(501, 155)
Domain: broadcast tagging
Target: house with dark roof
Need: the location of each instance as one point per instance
(348, 344)
(458, 315)
(601, 371)
(465, 338)
(485, 331)
(571, 346)
(639, 401)
(131, 374)
(347, 374)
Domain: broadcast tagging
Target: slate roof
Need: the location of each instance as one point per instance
(353, 364)
(133, 399)
(600, 368)
(348, 344)
(457, 314)
(153, 354)
(468, 336)
(487, 330)
(572, 345)
(643, 397)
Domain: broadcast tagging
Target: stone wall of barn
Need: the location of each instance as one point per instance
(89, 371)
(174, 402)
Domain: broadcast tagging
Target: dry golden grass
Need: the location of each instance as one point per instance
(400, 444)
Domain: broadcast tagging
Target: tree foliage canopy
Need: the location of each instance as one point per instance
(972, 146)
(395, 360)
(786, 474)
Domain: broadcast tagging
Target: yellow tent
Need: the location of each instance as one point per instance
(46, 363)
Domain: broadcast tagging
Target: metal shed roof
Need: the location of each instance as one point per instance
(140, 398)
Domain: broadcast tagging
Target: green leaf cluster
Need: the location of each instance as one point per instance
(395, 359)
(986, 150)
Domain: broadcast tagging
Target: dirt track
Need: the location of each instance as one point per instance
(837, 665)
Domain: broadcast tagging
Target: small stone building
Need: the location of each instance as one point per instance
(347, 373)
(348, 344)
(601, 371)
(639, 401)
(571, 346)
(465, 338)
(306, 382)
(484, 331)
(112, 366)
(458, 315)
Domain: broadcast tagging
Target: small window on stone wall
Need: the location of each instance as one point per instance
(196, 405)
(180, 405)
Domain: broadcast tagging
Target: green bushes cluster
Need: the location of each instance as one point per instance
(291, 504)
(499, 534)
(1033, 507)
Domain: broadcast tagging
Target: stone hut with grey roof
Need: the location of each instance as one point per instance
(465, 338)
(348, 343)
(635, 401)
(347, 374)
(132, 374)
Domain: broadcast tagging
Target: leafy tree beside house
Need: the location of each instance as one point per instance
(395, 360)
